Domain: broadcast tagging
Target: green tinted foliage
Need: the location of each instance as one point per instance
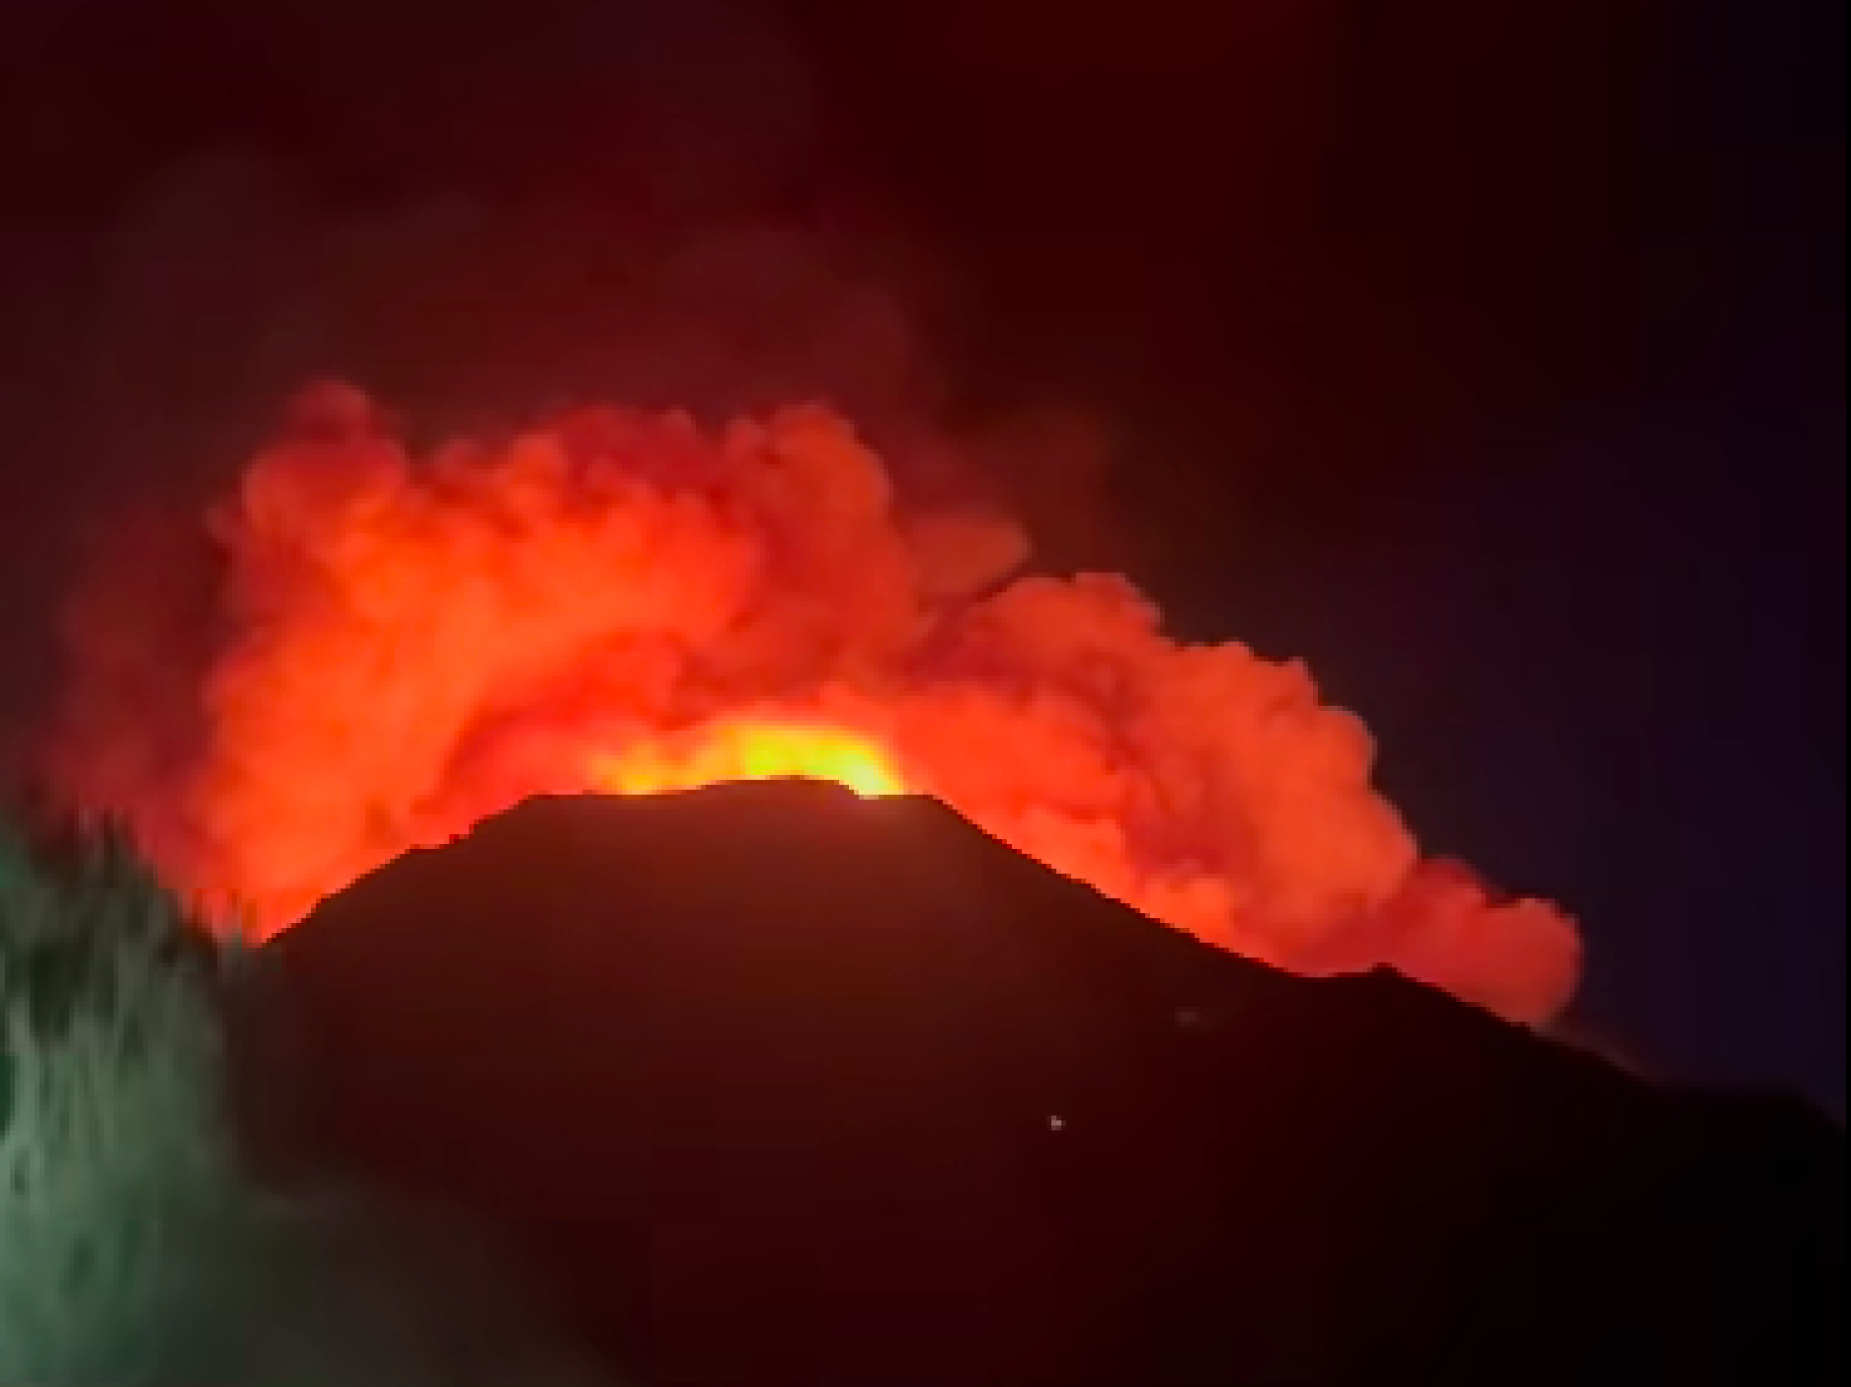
(116, 1158)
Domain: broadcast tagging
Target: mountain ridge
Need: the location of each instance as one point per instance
(774, 1085)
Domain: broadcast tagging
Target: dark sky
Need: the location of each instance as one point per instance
(1491, 361)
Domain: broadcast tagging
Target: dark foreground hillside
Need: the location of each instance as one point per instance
(769, 1085)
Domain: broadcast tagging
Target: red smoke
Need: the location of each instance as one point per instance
(627, 603)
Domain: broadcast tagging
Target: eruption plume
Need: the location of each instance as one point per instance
(624, 603)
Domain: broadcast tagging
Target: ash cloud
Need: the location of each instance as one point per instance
(483, 215)
(644, 202)
(646, 206)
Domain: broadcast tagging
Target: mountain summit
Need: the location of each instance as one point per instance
(770, 1086)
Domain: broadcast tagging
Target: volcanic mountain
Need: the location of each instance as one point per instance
(771, 1086)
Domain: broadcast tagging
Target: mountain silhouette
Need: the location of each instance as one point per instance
(768, 1086)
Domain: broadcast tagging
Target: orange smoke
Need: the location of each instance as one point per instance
(629, 604)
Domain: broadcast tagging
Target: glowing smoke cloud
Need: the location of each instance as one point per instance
(627, 603)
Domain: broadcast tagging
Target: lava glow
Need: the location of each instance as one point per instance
(752, 749)
(617, 602)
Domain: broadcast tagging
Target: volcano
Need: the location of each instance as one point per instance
(368, 646)
(770, 1084)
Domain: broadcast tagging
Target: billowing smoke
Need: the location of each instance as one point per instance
(399, 642)
(378, 637)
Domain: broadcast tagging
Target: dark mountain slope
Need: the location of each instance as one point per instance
(775, 1086)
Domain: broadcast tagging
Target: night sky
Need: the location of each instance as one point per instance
(1492, 363)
